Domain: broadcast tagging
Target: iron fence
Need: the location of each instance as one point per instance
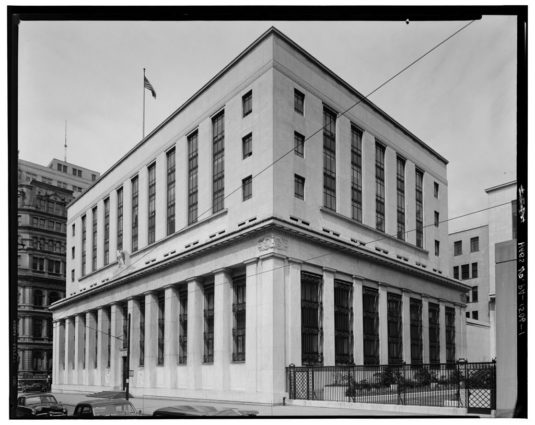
(458, 384)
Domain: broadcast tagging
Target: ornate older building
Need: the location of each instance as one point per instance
(43, 194)
(257, 227)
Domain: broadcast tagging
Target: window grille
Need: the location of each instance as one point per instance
(329, 159)
(395, 354)
(311, 319)
(152, 204)
(218, 168)
(192, 178)
(183, 327)
(416, 331)
(343, 322)
(434, 333)
(208, 323)
(356, 173)
(171, 168)
(370, 298)
(239, 312)
(450, 335)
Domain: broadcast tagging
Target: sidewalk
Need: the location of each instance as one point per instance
(148, 405)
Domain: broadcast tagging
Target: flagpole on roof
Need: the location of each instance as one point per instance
(143, 103)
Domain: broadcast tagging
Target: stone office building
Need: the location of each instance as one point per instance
(43, 193)
(249, 238)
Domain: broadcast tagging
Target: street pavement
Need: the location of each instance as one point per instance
(148, 405)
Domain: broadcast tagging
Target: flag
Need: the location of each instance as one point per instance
(148, 86)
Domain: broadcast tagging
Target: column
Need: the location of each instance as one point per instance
(79, 348)
(383, 325)
(90, 347)
(442, 327)
(293, 313)
(135, 314)
(222, 325)
(116, 361)
(425, 330)
(328, 317)
(151, 339)
(358, 330)
(102, 344)
(195, 340)
(251, 300)
(406, 325)
(170, 332)
(56, 346)
(69, 349)
(271, 365)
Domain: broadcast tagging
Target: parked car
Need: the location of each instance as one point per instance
(39, 405)
(105, 407)
(185, 410)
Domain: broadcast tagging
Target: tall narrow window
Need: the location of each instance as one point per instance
(474, 244)
(343, 323)
(218, 172)
(193, 165)
(416, 331)
(142, 331)
(94, 242)
(395, 345)
(183, 327)
(208, 323)
(108, 345)
(435, 189)
(311, 317)
(379, 187)
(329, 159)
(106, 231)
(299, 144)
(400, 177)
(161, 328)
(247, 145)
(456, 272)
(247, 103)
(370, 298)
(437, 218)
(356, 174)
(299, 102)
(474, 271)
(171, 166)
(84, 239)
(152, 203)
(437, 248)
(475, 297)
(434, 333)
(299, 187)
(125, 325)
(419, 209)
(238, 329)
(135, 210)
(450, 335)
(95, 340)
(247, 188)
(120, 219)
(465, 271)
(457, 248)
(84, 338)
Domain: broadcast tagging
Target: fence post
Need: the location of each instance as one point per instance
(308, 384)
(462, 403)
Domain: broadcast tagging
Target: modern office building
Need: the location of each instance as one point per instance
(255, 228)
(473, 260)
(43, 193)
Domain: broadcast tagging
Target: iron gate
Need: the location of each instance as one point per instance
(461, 384)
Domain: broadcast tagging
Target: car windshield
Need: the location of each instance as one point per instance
(41, 399)
(120, 409)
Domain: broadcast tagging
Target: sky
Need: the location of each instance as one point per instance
(460, 99)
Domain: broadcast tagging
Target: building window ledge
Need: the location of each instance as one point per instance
(371, 229)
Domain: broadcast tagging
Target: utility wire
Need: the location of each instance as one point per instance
(320, 129)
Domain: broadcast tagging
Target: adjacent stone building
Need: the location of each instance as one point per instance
(43, 193)
(255, 228)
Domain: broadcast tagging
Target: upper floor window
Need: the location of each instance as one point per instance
(456, 272)
(474, 271)
(299, 144)
(247, 145)
(299, 187)
(475, 294)
(437, 248)
(192, 178)
(38, 298)
(94, 242)
(435, 189)
(379, 187)
(437, 218)
(247, 188)
(329, 159)
(171, 168)
(93, 177)
(299, 102)
(120, 219)
(152, 203)
(356, 174)
(457, 247)
(400, 178)
(135, 210)
(106, 231)
(218, 165)
(247, 103)
(474, 244)
(465, 271)
(419, 208)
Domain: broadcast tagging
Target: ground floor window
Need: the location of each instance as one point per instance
(311, 316)
(161, 328)
(208, 323)
(370, 314)
(434, 333)
(450, 335)
(416, 331)
(343, 322)
(238, 329)
(395, 344)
